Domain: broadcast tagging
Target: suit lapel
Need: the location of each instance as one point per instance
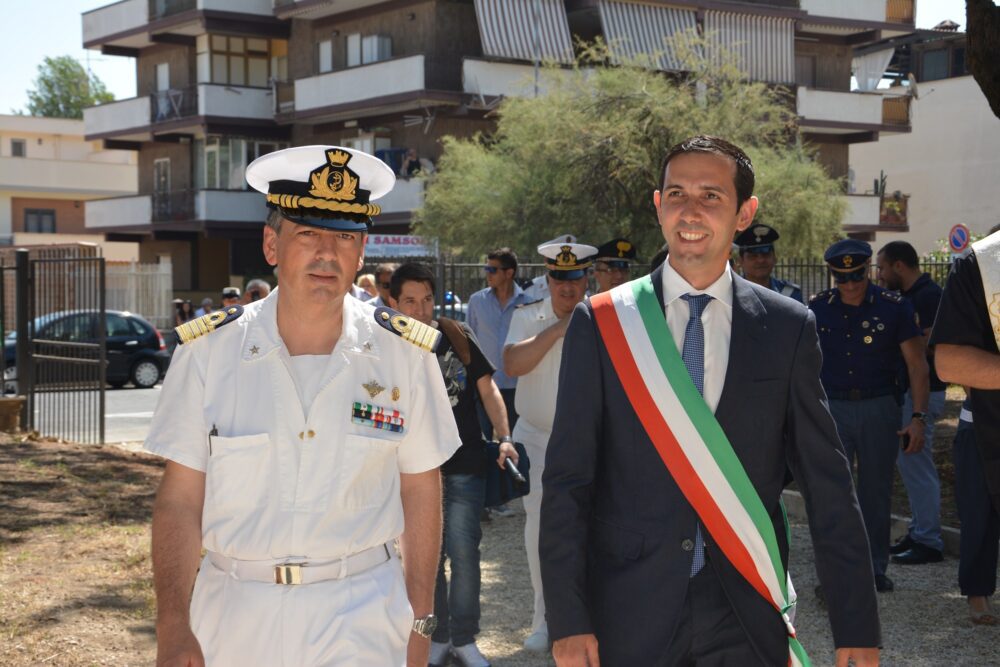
(749, 329)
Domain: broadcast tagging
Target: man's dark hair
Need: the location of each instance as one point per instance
(900, 251)
(506, 257)
(411, 271)
(744, 180)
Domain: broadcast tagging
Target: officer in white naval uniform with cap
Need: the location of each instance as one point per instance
(303, 437)
(532, 353)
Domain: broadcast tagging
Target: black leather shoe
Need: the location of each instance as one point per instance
(918, 554)
(902, 545)
(883, 584)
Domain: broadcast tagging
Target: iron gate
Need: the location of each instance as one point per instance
(61, 368)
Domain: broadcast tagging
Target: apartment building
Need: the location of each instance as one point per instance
(47, 173)
(223, 81)
(945, 171)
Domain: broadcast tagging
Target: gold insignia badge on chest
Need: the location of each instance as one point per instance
(373, 388)
(395, 393)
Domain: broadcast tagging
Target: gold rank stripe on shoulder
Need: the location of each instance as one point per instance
(423, 336)
(206, 324)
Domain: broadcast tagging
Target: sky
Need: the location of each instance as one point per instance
(53, 28)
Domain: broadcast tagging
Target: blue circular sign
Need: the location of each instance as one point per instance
(958, 238)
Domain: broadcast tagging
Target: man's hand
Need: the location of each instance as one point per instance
(418, 651)
(577, 651)
(507, 451)
(916, 430)
(178, 647)
(859, 657)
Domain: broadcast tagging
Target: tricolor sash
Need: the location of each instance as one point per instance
(691, 442)
(988, 258)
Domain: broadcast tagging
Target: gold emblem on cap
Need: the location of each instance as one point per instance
(335, 181)
(623, 247)
(373, 388)
(865, 324)
(566, 256)
(868, 340)
(848, 260)
(395, 393)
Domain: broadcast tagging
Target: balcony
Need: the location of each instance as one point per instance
(398, 84)
(230, 206)
(120, 24)
(862, 212)
(487, 79)
(869, 11)
(137, 119)
(66, 176)
(405, 196)
(837, 110)
(896, 111)
(314, 9)
(120, 212)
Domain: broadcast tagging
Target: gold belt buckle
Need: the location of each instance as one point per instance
(289, 574)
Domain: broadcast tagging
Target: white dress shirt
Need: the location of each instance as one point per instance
(717, 320)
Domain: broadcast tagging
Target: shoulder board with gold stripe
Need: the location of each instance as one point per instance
(205, 324)
(423, 336)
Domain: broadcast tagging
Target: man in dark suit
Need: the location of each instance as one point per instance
(631, 573)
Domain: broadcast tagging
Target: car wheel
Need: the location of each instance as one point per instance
(10, 380)
(145, 374)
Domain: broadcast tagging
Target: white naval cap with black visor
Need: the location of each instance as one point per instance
(322, 186)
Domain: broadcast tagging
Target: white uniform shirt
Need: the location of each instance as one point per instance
(716, 319)
(535, 398)
(284, 482)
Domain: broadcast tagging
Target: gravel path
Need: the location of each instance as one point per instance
(924, 621)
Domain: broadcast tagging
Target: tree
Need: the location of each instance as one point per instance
(982, 18)
(63, 89)
(584, 157)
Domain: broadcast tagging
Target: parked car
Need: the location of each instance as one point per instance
(134, 349)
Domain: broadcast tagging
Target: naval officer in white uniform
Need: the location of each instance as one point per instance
(533, 353)
(303, 438)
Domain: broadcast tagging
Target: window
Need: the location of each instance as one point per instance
(375, 48)
(935, 65)
(116, 325)
(325, 56)
(958, 61)
(137, 328)
(353, 50)
(18, 148)
(73, 329)
(220, 162)
(240, 61)
(39, 220)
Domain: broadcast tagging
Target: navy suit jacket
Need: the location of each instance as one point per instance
(613, 520)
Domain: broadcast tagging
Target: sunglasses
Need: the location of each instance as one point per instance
(853, 277)
(492, 269)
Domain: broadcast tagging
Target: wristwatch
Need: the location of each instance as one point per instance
(425, 626)
(922, 416)
(506, 438)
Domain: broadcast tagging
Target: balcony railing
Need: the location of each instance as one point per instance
(174, 104)
(176, 205)
(896, 110)
(899, 11)
(838, 106)
(117, 212)
(159, 9)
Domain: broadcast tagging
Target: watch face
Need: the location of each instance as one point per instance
(425, 626)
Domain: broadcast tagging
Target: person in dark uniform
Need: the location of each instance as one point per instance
(899, 269)
(758, 259)
(613, 265)
(966, 342)
(866, 334)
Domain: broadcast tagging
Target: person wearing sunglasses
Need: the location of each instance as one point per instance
(383, 272)
(757, 259)
(867, 334)
(613, 265)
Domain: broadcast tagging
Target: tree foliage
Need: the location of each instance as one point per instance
(63, 89)
(584, 158)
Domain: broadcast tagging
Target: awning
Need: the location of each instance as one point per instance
(509, 28)
(633, 30)
(764, 45)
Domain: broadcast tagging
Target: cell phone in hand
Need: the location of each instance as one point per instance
(904, 441)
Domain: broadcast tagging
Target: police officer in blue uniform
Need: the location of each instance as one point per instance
(866, 334)
(757, 258)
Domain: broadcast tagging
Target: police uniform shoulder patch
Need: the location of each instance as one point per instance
(822, 295)
(894, 297)
(206, 324)
(423, 336)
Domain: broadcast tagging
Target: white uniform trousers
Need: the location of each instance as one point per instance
(361, 621)
(535, 443)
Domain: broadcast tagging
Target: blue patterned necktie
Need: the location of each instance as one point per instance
(693, 355)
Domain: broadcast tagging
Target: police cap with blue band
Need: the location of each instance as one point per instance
(758, 238)
(322, 186)
(568, 261)
(617, 253)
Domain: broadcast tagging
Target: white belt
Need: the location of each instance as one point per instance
(965, 415)
(303, 572)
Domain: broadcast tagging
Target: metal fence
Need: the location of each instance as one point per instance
(143, 289)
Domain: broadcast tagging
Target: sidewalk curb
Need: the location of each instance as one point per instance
(796, 509)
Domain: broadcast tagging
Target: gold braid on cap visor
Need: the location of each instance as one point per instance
(298, 201)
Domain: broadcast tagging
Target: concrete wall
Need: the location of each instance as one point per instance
(833, 63)
(948, 164)
(859, 10)
(182, 67)
(69, 213)
(180, 258)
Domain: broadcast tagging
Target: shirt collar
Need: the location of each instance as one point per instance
(513, 297)
(357, 334)
(674, 286)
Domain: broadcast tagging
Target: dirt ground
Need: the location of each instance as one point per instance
(76, 587)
